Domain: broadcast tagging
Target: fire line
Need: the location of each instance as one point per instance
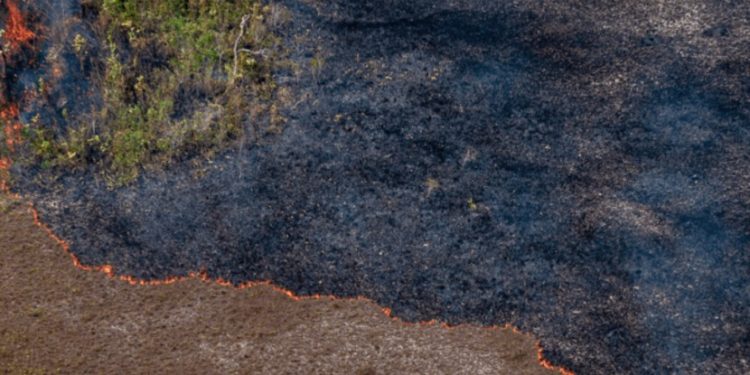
(16, 35)
(203, 276)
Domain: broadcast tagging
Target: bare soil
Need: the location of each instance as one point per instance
(59, 319)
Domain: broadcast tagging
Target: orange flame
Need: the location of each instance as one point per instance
(546, 362)
(12, 132)
(203, 276)
(4, 166)
(16, 32)
(11, 128)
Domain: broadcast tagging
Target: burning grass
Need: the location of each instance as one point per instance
(15, 33)
(60, 319)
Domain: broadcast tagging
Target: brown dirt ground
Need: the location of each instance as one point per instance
(59, 319)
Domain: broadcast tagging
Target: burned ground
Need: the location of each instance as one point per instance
(59, 319)
(577, 171)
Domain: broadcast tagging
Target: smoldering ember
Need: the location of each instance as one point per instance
(579, 170)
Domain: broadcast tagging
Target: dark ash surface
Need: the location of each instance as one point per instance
(579, 171)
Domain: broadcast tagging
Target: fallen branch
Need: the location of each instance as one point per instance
(243, 25)
(261, 52)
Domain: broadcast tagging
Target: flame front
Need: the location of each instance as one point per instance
(11, 126)
(16, 32)
(16, 35)
(203, 276)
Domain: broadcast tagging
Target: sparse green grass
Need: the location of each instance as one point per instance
(167, 84)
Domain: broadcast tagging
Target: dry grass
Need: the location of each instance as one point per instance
(58, 319)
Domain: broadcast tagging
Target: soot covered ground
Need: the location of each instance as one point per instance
(579, 171)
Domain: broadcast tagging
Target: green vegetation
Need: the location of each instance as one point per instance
(177, 78)
(471, 204)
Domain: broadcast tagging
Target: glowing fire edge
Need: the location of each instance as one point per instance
(16, 35)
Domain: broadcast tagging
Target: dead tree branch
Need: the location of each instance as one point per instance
(243, 25)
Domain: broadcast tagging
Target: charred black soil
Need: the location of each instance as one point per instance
(578, 171)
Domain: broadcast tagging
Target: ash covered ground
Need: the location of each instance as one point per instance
(580, 171)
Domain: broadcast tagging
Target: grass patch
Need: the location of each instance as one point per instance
(177, 79)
